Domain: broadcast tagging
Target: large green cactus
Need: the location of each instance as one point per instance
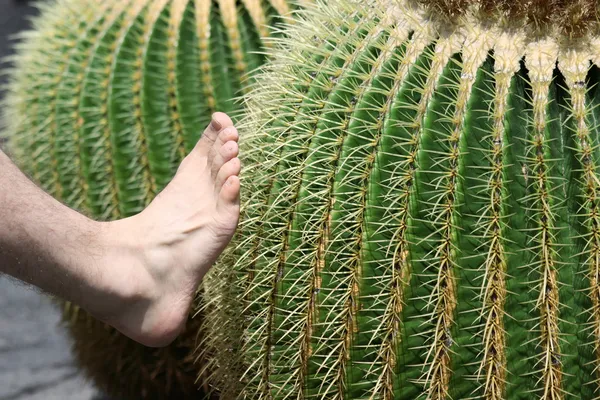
(105, 99)
(421, 213)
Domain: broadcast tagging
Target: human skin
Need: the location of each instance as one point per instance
(138, 274)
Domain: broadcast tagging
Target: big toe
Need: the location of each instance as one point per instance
(219, 122)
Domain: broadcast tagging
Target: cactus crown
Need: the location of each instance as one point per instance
(567, 17)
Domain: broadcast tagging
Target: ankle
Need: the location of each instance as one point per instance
(138, 297)
(121, 280)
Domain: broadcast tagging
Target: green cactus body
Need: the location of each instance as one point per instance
(420, 214)
(105, 100)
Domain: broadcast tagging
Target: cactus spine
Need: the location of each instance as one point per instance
(105, 99)
(421, 209)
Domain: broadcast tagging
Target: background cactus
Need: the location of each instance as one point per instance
(105, 99)
(123, 369)
(421, 211)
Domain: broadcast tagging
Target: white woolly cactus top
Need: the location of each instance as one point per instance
(568, 18)
(544, 34)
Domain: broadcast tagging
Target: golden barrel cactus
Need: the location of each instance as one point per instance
(421, 211)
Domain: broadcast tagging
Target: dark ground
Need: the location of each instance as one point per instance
(13, 19)
(35, 361)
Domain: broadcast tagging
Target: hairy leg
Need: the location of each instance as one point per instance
(138, 274)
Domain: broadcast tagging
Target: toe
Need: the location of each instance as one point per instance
(230, 192)
(225, 153)
(229, 134)
(230, 168)
(219, 122)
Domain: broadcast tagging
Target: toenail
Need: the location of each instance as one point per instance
(229, 131)
(216, 125)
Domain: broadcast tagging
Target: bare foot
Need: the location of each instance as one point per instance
(158, 257)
